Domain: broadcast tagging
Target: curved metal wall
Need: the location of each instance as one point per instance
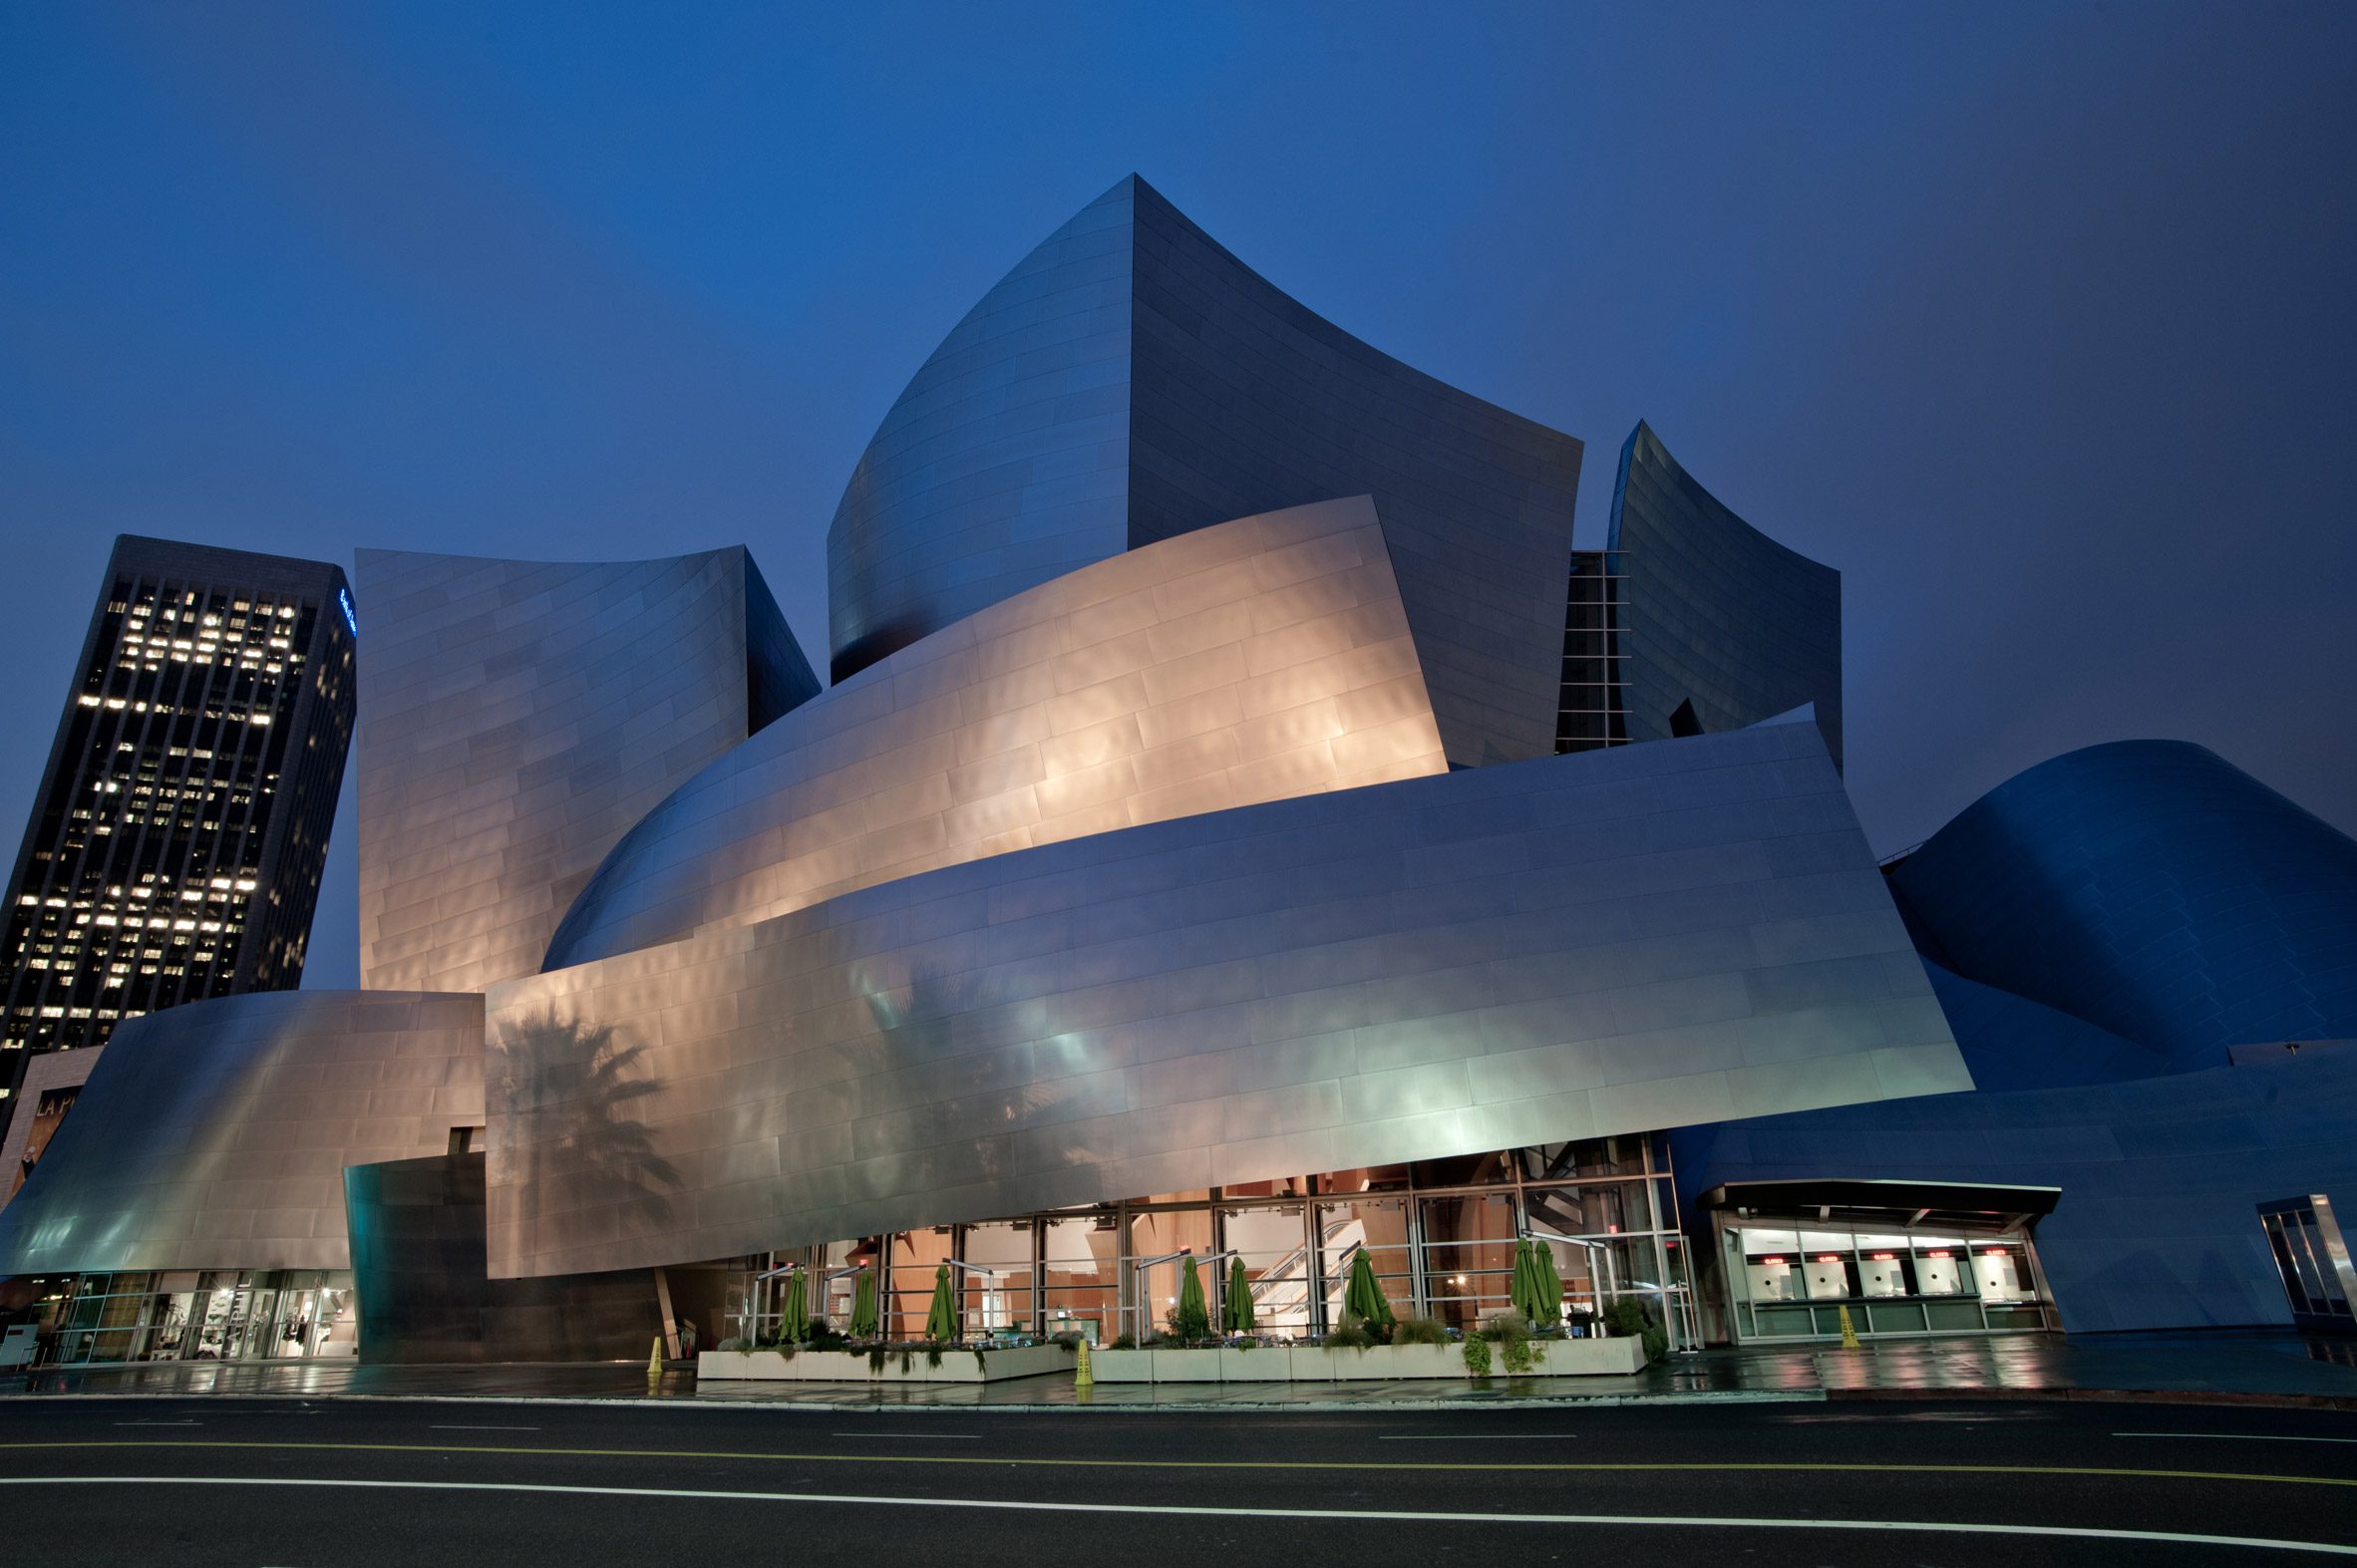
(1131, 381)
(1717, 613)
(2011, 1042)
(1005, 461)
(215, 1134)
(517, 718)
(1572, 946)
(2153, 889)
(1265, 658)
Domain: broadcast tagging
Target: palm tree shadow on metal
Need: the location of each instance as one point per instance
(574, 1141)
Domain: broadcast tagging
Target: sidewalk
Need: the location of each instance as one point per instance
(2273, 1366)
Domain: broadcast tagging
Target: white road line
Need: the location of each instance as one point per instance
(1477, 1437)
(937, 1437)
(1389, 1515)
(2234, 1437)
(159, 1424)
(483, 1428)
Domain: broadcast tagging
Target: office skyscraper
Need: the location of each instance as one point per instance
(177, 840)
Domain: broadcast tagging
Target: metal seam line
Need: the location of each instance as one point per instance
(1899, 1526)
(1830, 1466)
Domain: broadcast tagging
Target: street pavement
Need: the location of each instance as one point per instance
(304, 1481)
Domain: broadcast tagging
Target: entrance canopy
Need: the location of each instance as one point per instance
(1944, 1205)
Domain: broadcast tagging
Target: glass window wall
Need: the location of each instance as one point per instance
(1796, 1282)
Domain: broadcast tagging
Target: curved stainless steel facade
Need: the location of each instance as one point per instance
(1264, 658)
(2151, 888)
(1005, 461)
(1131, 381)
(215, 1134)
(1718, 616)
(1615, 941)
(517, 718)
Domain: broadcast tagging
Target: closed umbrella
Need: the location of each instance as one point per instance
(794, 1318)
(1194, 1318)
(1235, 1314)
(1363, 1298)
(941, 1321)
(1524, 1291)
(863, 1306)
(1551, 1284)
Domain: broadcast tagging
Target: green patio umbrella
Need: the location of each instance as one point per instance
(863, 1306)
(1551, 1284)
(1194, 1319)
(794, 1318)
(1235, 1313)
(941, 1321)
(1363, 1298)
(1524, 1291)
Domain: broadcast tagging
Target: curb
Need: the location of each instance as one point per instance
(826, 1407)
(2225, 1397)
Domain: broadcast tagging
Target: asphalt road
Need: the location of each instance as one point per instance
(281, 1482)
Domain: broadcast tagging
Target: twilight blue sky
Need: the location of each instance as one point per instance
(2036, 321)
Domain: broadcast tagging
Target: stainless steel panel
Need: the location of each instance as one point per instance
(215, 1134)
(1131, 381)
(999, 733)
(1349, 978)
(517, 716)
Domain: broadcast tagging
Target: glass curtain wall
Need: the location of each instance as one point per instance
(1440, 1236)
(1795, 1282)
(191, 1315)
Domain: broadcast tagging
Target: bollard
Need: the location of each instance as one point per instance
(1081, 1377)
(1848, 1333)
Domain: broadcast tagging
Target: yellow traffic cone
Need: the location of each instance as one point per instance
(654, 1365)
(1081, 1377)
(1848, 1333)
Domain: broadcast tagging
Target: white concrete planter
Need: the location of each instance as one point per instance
(1125, 1366)
(1383, 1361)
(1315, 1363)
(957, 1366)
(1261, 1364)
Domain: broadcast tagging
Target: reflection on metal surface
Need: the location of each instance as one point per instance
(2153, 889)
(1720, 617)
(517, 717)
(1131, 381)
(1265, 658)
(1612, 941)
(213, 1135)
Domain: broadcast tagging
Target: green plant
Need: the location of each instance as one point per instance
(1071, 1341)
(1128, 1342)
(1350, 1334)
(980, 1365)
(1628, 1316)
(1247, 1343)
(733, 1345)
(1512, 1332)
(1420, 1331)
(876, 1358)
(908, 1360)
(1477, 1355)
(932, 1356)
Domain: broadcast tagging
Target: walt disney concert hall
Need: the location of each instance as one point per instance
(1237, 824)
